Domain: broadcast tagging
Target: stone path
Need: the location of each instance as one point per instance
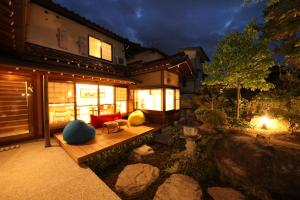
(179, 187)
(33, 172)
(136, 178)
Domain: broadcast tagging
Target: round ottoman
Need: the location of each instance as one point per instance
(78, 132)
(136, 118)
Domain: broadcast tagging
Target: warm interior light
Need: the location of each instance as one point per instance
(149, 99)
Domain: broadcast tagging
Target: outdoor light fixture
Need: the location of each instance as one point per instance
(264, 121)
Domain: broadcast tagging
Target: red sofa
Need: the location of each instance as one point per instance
(98, 121)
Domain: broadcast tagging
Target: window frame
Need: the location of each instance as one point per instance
(121, 100)
(74, 102)
(112, 57)
(162, 98)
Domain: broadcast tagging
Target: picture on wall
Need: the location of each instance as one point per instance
(88, 93)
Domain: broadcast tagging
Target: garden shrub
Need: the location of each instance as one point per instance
(178, 139)
(214, 118)
(239, 123)
(203, 168)
(113, 156)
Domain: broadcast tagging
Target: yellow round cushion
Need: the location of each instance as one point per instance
(136, 118)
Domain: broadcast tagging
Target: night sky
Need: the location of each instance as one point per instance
(169, 24)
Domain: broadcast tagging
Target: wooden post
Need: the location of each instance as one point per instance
(46, 112)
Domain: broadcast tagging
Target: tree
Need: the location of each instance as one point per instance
(282, 28)
(242, 60)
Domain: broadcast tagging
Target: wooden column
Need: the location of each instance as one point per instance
(46, 111)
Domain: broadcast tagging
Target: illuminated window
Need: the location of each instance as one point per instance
(100, 49)
(121, 100)
(177, 99)
(106, 99)
(106, 51)
(61, 103)
(170, 97)
(148, 99)
(94, 47)
(87, 101)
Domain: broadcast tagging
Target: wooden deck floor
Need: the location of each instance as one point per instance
(104, 141)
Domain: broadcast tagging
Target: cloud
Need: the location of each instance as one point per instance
(169, 24)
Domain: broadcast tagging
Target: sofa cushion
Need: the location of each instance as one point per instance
(98, 121)
(77, 132)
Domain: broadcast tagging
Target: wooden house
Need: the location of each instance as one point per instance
(56, 66)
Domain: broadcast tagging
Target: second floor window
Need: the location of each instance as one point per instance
(100, 49)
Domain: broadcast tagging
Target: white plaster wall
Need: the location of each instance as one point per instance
(43, 28)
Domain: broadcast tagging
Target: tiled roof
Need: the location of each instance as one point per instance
(177, 63)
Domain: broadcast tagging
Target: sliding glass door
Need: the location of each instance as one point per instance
(61, 103)
(86, 101)
(70, 100)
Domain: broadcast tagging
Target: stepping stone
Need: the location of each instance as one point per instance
(136, 178)
(179, 187)
(222, 193)
(140, 152)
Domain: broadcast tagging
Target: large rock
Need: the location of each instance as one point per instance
(139, 153)
(221, 193)
(136, 178)
(272, 167)
(179, 187)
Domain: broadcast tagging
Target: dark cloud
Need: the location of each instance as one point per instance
(169, 24)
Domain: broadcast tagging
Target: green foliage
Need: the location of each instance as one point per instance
(111, 157)
(241, 58)
(214, 118)
(239, 123)
(292, 115)
(281, 26)
(203, 168)
(178, 140)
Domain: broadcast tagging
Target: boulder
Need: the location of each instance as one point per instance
(136, 178)
(140, 152)
(245, 161)
(222, 193)
(179, 187)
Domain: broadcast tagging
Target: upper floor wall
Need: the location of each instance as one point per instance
(52, 30)
(145, 56)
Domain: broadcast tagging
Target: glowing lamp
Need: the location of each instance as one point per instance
(264, 121)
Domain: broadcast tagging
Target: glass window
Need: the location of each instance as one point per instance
(106, 99)
(177, 99)
(121, 100)
(61, 103)
(170, 97)
(148, 99)
(106, 51)
(94, 47)
(100, 49)
(87, 101)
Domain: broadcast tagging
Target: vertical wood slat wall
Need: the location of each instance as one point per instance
(14, 106)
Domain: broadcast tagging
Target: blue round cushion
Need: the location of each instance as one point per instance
(77, 132)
